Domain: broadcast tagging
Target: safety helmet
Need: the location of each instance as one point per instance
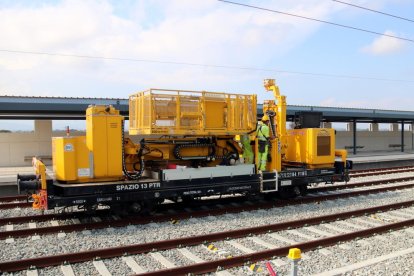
(265, 118)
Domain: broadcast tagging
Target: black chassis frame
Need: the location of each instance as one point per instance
(121, 192)
(62, 195)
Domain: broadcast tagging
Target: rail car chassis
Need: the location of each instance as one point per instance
(148, 192)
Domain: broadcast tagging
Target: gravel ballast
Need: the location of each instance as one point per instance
(76, 241)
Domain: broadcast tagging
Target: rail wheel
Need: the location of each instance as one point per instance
(288, 192)
(136, 207)
(303, 190)
(148, 207)
(90, 209)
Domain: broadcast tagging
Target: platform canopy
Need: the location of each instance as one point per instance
(65, 108)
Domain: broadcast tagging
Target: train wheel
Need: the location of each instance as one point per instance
(347, 178)
(296, 191)
(91, 209)
(303, 190)
(136, 207)
(270, 196)
(286, 193)
(120, 209)
(148, 207)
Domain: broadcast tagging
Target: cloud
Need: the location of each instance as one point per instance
(176, 30)
(385, 45)
(198, 32)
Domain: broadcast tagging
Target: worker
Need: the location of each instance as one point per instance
(247, 149)
(262, 134)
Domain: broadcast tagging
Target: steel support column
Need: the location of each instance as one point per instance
(402, 136)
(354, 124)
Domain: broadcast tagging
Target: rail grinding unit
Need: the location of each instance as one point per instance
(187, 148)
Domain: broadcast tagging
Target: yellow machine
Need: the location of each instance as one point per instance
(314, 147)
(197, 128)
(187, 119)
(96, 156)
(307, 147)
(183, 145)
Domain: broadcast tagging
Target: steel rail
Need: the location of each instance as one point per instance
(186, 215)
(45, 261)
(213, 266)
(13, 205)
(36, 218)
(360, 184)
(379, 169)
(381, 173)
(53, 216)
(13, 198)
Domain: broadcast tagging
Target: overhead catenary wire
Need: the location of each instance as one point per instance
(232, 67)
(318, 20)
(372, 10)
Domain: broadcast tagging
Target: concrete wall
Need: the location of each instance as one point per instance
(15, 147)
(374, 140)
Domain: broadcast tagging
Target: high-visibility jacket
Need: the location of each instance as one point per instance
(247, 149)
(262, 131)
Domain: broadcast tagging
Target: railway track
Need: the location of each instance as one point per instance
(390, 169)
(186, 216)
(373, 172)
(274, 230)
(18, 201)
(13, 198)
(13, 205)
(231, 207)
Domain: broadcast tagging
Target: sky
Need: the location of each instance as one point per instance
(209, 45)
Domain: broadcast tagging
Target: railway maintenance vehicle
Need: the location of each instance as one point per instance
(185, 148)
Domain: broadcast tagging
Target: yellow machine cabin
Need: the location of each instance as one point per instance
(314, 147)
(96, 156)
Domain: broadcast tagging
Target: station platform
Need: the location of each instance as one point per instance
(381, 159)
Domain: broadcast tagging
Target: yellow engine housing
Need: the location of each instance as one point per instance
(96, 156)
(70, 158)
(313, 146)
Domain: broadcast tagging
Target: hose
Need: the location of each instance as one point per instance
(271, 115)
(137, 174)
(209, 157)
